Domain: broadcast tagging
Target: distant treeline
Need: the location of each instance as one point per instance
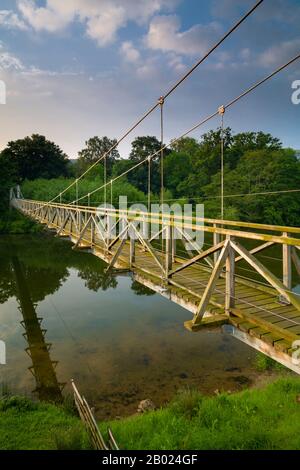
(261, 178)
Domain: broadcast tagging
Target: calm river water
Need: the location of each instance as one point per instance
(62, 317)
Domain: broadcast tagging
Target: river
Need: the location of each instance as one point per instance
(62, 317)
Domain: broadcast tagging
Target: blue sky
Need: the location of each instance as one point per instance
(78, 68)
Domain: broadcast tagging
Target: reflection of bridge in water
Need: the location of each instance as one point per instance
(43, 368)
(262, 312)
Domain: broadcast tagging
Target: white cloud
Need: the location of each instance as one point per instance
(279, 53)
(175, 62)
(102, 18)
(11, 20)
(8, 61)
(103, 28)
(11, 63)
(164, 34)
(129, 52)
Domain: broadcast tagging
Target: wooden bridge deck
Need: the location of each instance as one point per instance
(257, 311)
(259, 316)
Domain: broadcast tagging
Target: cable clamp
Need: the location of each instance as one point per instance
(221, 110)
(161, 100)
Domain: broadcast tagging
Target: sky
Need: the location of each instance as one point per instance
(74, 69)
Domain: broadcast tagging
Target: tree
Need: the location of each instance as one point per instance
(177, 169)
(35, 157)
(204, 157)
(259, 171)
(94, 149)
(141, 148)
(8, 178)
(247, 141)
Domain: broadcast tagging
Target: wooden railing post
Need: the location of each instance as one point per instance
(216, 240)
(173, 244)
(230, 283)
(131, 248)
(168, 232)
(286, 264)
(92, 232)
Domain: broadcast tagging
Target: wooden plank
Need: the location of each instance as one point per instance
(263, 347)
(290, 336)
(210, 322)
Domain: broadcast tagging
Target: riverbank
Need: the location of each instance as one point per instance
(28, 425)
(265, 418)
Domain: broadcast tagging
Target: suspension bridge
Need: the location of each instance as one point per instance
(262, 311)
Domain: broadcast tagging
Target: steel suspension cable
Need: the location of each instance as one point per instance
(226, 196)
(161, 103)
(205, 120)
(221, 112)
(173, 88)
(104, 179)
(167, 94)
(149, 184)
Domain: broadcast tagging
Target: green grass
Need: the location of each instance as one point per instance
(266, 418)
(254, 419)
(25, 425)
(264, 363)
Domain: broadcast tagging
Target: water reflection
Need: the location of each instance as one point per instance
(120, 342)
(43, 368)
(45, 275)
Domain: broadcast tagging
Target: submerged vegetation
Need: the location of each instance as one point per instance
(266, 418)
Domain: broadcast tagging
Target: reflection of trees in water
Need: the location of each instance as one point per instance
(46, 262)
(7, 282)
(139, 289)
(42, 277)
(95, 280)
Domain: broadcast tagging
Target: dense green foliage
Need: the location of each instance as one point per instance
(14, 222)
(45, 190)
(254, 163)
(35, 157)
(26, 159)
